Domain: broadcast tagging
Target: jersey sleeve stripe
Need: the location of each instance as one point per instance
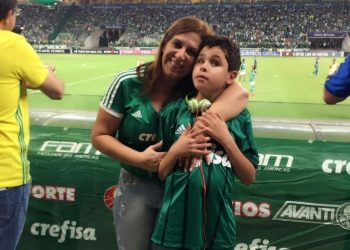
(110, 111)
(107, 100)
(22, 144)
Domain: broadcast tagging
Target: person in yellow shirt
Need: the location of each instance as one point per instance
(21, 68)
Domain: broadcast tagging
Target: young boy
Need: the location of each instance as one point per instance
(196, 212)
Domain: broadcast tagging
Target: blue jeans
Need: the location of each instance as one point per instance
(135, 210)
(13, 210)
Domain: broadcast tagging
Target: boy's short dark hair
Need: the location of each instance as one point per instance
(5, 6)
(230, 48)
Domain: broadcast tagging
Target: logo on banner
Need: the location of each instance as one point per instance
(68, 229)
(250, 209)
(54, 193)
(258, 244)
(275, 163)
(68, 149)
(109, 196)
(330, 166)
(343, 216)
(304, 212)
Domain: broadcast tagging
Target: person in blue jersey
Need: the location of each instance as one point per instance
(127, 124)
(337, 86)
(196, 212)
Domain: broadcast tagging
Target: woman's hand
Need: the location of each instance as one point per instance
(151, 158)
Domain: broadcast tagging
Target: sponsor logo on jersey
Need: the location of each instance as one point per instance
(258, 244)
(180, 129)
(54, 193)
(68, 229)
(147, 137)
(219, 157)
(275, 163)
(109, 196)
(69, 149)
(137, 114)
(304, 212)
(330, 166)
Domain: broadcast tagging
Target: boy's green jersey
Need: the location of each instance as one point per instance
(190, 207)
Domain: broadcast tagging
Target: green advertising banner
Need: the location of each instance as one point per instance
(300, 199)
(72, 192)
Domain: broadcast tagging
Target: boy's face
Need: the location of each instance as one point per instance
(210, 73)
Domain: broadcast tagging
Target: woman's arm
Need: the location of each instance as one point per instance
(231, 102)
(103, 139)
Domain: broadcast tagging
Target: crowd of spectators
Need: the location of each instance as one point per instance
(252, 25)
(39, 21)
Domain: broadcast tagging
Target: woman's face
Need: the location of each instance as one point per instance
(179, 55)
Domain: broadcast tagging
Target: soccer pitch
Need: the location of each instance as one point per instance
(285, 87)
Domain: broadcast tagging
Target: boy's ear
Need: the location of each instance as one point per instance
(231, 78)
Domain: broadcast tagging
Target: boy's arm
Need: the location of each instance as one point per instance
(231, 102)
(243, 168)
(167, 164)
(218, 130)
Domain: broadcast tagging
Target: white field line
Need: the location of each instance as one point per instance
(76, 82)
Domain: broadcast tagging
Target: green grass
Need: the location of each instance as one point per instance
(285, 87)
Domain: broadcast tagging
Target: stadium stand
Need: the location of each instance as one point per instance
(254, 24)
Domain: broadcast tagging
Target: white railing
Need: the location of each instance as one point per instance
(294, 129)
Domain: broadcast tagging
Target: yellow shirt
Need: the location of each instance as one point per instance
(18, 63)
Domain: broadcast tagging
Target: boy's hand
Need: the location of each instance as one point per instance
(190, 144)
(215, 126)
(189, 162)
